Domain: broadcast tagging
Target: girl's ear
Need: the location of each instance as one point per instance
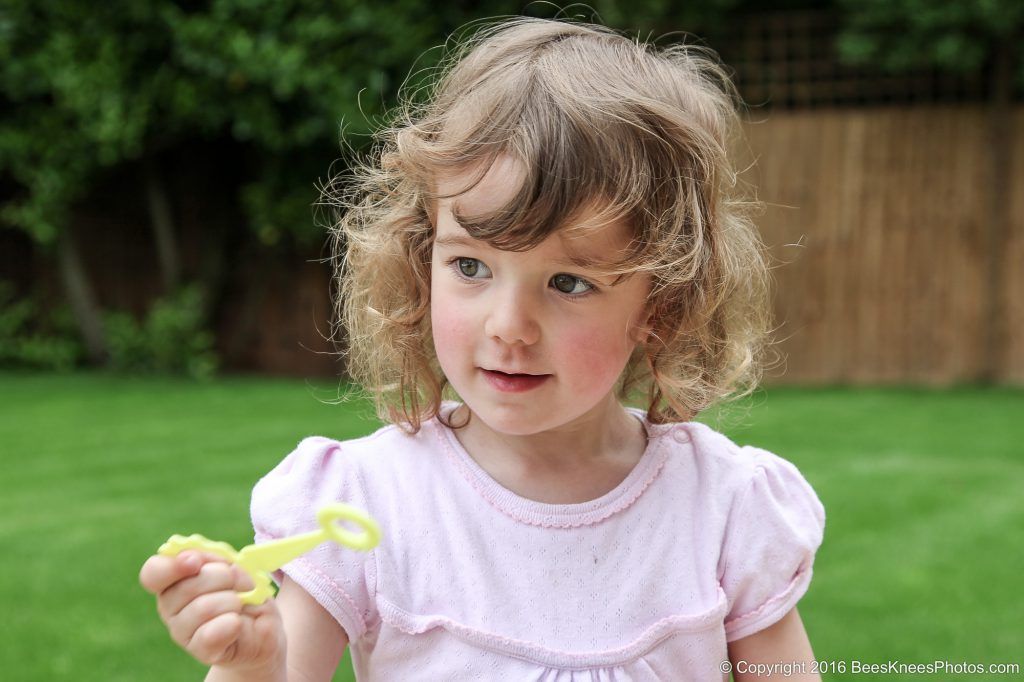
(644, 325)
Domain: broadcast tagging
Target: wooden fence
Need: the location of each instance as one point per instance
(878, 221)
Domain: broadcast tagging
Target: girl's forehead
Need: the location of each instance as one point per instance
(591, 232)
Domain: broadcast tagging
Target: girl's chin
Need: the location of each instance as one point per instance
(515, 430)
(509, 420)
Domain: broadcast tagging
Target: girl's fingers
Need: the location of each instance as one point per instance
(160, 572)
(254, 635)
(215, 640)
(197, 598)
(198, 613)
(215, 576)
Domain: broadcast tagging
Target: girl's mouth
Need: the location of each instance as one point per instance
(514, 383)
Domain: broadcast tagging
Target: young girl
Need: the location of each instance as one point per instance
(552, 234)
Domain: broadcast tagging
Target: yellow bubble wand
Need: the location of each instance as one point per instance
(259, 561)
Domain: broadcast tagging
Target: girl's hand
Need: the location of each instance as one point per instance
(197, 601)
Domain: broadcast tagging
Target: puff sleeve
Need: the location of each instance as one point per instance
(285, 502)
(774, 528)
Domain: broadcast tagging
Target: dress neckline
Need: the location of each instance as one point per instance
(550, 515)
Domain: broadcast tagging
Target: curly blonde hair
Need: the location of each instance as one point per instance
(592, 115)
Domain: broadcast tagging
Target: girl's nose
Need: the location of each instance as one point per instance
(512, 319)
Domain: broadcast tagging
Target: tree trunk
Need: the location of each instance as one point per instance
(998, 229)
(81, 297)
(162, 221)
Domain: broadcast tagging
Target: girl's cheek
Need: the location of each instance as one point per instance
(450, 327)
(595, 356)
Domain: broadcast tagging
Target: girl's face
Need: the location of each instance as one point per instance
(500, 313)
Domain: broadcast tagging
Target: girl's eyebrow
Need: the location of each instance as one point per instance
(456, 240)
(577, 260)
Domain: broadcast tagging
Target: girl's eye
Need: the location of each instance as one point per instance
(471, 267)
(570, 285)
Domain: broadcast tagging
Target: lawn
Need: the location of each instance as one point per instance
(922, 561)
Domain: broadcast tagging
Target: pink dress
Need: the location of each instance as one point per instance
(703, 543)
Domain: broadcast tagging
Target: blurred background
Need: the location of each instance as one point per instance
(160, 163)
(164, 300)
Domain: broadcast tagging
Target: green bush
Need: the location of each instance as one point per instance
(31, 339)
(170, 340)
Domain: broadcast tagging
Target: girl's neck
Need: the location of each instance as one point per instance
(575, 463)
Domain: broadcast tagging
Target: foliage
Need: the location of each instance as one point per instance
(86, 86)
(79, 83)
(171, 338)
(953, 35)
(30, 338)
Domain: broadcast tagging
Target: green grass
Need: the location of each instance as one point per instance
(922, 559)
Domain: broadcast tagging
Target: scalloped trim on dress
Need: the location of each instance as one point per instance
(797, 587)
(412, 624)
(561, 515)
